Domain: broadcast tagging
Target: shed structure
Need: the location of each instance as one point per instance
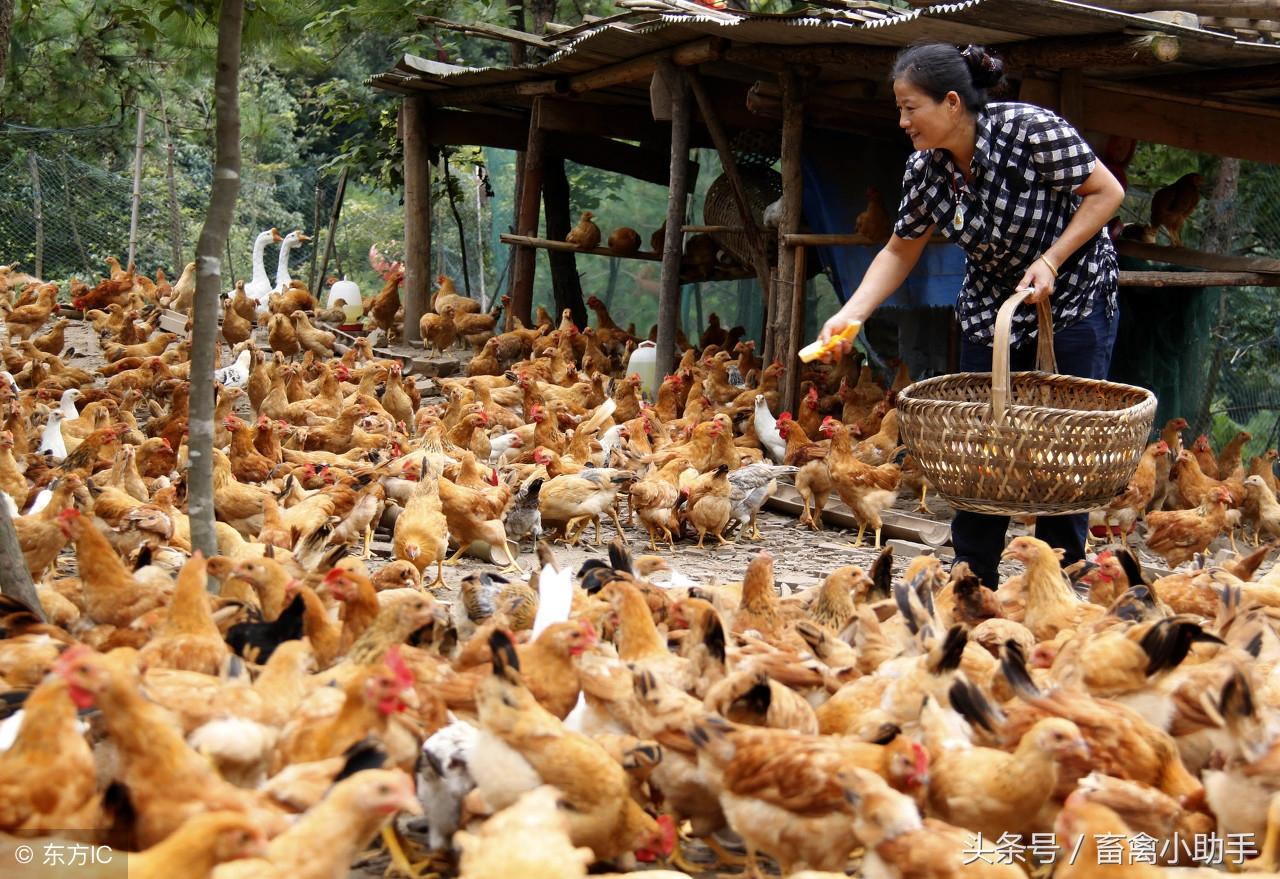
(635, 91)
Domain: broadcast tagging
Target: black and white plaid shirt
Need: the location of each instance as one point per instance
(1026, 167)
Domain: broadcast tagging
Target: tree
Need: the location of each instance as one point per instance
(6, 24)
(209, 250)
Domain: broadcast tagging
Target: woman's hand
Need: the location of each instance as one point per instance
(1040, 278)
(834, 325)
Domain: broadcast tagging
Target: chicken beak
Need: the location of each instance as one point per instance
(409, 803)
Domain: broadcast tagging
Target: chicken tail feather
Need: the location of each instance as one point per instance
(1013, 664)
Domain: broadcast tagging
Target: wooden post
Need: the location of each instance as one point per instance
(316, 288)
(414, 134)
(720, 138)
(566, 285)
(673, 245)
(71, 217)
(38, 205)
(175, 216)
(527, 223)
(15, 579)
(137, 186)
(336, 212)
(789, 292)
(795, 334)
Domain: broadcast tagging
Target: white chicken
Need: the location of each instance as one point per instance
(767, 430)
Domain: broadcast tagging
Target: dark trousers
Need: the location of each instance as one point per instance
(1083, 349)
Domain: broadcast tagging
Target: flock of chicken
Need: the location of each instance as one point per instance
(265, 711)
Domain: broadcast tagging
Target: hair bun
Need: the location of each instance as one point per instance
(986, 69)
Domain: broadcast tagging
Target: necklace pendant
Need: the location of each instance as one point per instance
(957, 222)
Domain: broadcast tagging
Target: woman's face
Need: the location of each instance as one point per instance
(930, 124)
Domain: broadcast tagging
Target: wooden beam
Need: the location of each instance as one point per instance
(638, 69)
(465, 96)
(1200, 279)
(490, 31)
(755, 238)
(1235, 79)
(788, 293)
(873, 62)
(1059, 53)
(523, 261)
(633, 70)
(566, 247)
(509, 131)
(1196, 259)
(1223, 8)
(839, 239)
(1196, 124)
(416, 135)
(673, 245)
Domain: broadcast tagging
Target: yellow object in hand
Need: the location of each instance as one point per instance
(815, 350)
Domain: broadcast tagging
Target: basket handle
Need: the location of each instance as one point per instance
(1001, 381)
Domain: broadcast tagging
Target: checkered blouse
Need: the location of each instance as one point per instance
(1026, 167)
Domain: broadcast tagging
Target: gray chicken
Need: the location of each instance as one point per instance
(749, 488)
(525, 517)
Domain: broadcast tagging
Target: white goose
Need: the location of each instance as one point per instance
(259, 288)
(292, 240)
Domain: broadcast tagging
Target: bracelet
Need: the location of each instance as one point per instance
(1044, 259)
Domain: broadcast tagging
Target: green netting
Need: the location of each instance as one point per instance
(1164, 342)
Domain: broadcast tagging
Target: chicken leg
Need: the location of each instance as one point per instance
(923, 507)
(400, 863)
(439, 580)
(1269, 858)
(514, 566)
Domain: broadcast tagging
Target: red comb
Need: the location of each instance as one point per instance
(393, 660)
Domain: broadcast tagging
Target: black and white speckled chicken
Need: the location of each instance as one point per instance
(749, 488)
(524, 517)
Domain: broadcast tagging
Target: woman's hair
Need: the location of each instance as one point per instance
(938, 68)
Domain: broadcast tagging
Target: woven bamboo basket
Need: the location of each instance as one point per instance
(1026, 442)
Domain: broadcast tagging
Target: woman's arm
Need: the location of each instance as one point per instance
(885, 274)
(1101, 194)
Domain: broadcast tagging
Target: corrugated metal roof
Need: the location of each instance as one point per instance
(670, 23)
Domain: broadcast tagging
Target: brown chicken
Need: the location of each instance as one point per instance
(866, 490)
(901, 844)
(47, 779)
(594, 788)
(421, 532)
(385, 304)
(370, 699)
(780, 793)
(1179, 535)
(1171, 205)
(585, 235)
(874, 222)
(41, 535)
(1051, 604)
(813, 482)
(624, 241)
(247, 464)
(168, 782)
(707, 505)
(23, 322)
(111, 593)
(1125, 509)
(188, 639)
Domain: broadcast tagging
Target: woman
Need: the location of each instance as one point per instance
(1020, 190)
